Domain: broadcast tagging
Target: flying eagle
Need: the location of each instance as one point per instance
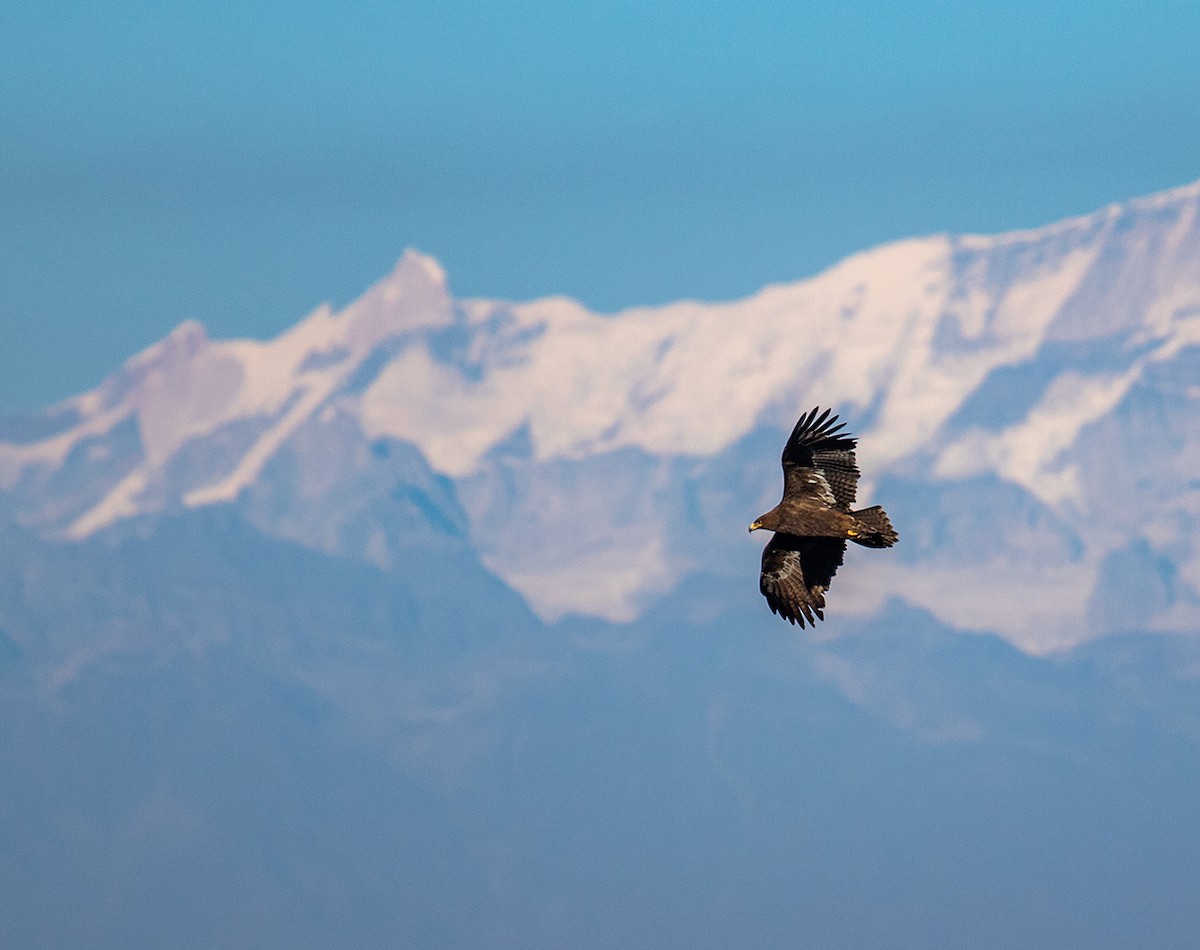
(813, 522)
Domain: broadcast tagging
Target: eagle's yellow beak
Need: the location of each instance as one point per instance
(755, 525)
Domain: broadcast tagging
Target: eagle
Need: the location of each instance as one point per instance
(814, 520)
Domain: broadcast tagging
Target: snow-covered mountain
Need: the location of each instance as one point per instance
(1028, 406)
(269, 674)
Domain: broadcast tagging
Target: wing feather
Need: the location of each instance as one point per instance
(796, 572)
(819, 463)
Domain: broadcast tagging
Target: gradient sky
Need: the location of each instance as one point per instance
(241, 163)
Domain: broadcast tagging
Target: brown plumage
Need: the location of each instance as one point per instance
(814, 520)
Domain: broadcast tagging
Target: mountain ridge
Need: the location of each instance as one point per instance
(287, 686)
(574, 440)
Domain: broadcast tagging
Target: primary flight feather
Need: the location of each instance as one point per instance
(814, 520)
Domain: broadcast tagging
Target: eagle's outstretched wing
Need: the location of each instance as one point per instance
(796, 573)
(818, 462)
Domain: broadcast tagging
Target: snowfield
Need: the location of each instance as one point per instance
(1028, 408)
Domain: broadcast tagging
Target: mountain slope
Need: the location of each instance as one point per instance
(212, 738)
(270, 676)
(1044, 380)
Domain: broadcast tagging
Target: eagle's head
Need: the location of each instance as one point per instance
(769, 521)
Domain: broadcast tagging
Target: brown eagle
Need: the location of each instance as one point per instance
(813, 522)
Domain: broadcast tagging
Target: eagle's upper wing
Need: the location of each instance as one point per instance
(796, 573)
(818, 461)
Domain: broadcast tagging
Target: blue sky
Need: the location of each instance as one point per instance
(241, 163)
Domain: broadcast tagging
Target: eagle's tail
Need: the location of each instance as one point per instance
(875, 531)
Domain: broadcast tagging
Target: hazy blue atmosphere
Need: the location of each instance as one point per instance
(239, 164)
(431, 621)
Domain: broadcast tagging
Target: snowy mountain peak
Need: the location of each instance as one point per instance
(412, 297)
(599, 457)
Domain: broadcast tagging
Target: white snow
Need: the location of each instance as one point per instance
(1031, 453)
(121, 502)
(52, 452)
(247, 470)
(898, 338)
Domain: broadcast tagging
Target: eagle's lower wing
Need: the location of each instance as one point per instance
(795, 574)
(818, 461)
